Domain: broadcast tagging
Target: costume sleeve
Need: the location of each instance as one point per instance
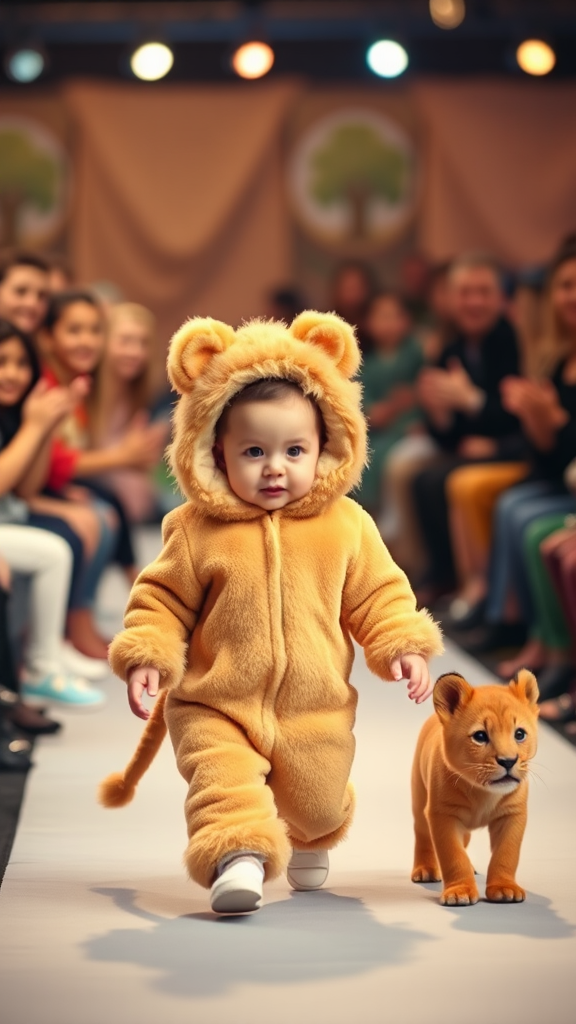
(380, 609)
(162, 611)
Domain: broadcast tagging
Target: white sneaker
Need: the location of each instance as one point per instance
(308, 869)
(78, 664)
(238, 890)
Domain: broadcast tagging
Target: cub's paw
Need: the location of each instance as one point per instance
(426, 873)
(463, 894)
(505, 892)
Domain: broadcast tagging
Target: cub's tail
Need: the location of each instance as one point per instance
(119, 788)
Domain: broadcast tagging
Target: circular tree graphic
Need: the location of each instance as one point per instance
(352, 179)
(32, 183)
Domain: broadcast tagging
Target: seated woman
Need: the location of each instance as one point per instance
(29, 414)
(389, 373)
(122, 397)
(73, 338)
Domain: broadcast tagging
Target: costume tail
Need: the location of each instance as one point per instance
(119, 788)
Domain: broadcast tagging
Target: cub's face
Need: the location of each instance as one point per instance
(490, 732)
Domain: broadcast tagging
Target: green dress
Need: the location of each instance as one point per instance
(381, 373)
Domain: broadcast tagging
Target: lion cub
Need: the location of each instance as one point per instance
(470, 770)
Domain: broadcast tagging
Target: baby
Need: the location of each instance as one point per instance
(246, 618)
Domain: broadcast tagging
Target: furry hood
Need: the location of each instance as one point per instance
(209, 362)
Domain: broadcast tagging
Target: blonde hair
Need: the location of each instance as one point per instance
(140, 391)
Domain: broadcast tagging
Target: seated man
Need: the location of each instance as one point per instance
(461, 399)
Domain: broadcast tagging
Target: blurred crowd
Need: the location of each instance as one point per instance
(469, 383)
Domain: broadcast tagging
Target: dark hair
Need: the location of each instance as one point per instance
(394, 296)
(566, 251)
(11, 415)
(22, 259)
(473, 260)
(268, 389)
(60, 302)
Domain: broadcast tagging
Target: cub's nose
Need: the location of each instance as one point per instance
(507, 762)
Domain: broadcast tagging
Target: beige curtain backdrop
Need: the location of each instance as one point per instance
(180, 195)
(500, 167)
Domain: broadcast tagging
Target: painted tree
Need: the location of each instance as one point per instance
(354, 167)
(28, 177)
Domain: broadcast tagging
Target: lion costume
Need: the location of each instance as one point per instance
(249, 615)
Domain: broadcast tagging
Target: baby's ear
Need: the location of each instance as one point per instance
(192, 347)
(332, 334)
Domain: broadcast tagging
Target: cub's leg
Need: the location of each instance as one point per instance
(505, 840)
(449, 839)
(426, 867)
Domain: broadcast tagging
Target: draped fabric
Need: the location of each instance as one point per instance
(180, 195)
(500, 167)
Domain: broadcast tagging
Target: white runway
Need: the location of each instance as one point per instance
(99, 924)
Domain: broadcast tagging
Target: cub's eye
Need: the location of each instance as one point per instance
(480, 736)
(254, 452)
(520, 735)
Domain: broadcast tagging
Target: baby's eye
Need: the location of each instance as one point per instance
(295, 450)
(480, 736)
(254, 452)
(520, 735)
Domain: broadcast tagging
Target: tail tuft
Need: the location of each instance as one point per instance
(115, 791)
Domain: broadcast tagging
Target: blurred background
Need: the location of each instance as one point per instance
(147, 147)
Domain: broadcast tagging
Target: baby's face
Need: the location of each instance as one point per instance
(271, 451)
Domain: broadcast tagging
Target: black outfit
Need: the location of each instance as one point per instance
(550, 465)
(487, 364)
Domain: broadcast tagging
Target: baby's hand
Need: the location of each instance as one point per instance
(142, 678)
(414, 668)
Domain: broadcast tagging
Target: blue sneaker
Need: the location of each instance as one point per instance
(66, 690)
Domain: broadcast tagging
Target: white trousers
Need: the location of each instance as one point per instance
(47, 559)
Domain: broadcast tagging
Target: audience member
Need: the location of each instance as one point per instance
(461, 398)
(29, 414)
(388, 376)
(284, 304)
(546, 409)
(24, 291)
(353, 287)
(121, 401)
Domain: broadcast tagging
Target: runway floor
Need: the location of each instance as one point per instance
(99, 923)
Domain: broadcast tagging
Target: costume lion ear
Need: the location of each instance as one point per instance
(333, 335)
(192, 347)
(450, 693)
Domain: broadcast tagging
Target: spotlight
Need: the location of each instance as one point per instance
(447, 13)
(387, 58)
(24, 64)
(535, 57)
(253, 60)
(151, 61)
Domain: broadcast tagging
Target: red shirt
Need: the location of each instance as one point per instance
(65, 453)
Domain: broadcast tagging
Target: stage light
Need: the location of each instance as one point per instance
(387, 58)
(447, 13)
(152, 61)
(253, 60)
(535, 57)
(25, 64)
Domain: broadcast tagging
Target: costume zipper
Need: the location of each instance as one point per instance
(271, 525)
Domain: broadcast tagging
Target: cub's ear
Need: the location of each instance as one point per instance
(525, 687)
(192, 347)
(450, 693)
(332, 334)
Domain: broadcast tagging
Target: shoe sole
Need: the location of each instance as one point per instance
(301, 886)
(236, 901)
